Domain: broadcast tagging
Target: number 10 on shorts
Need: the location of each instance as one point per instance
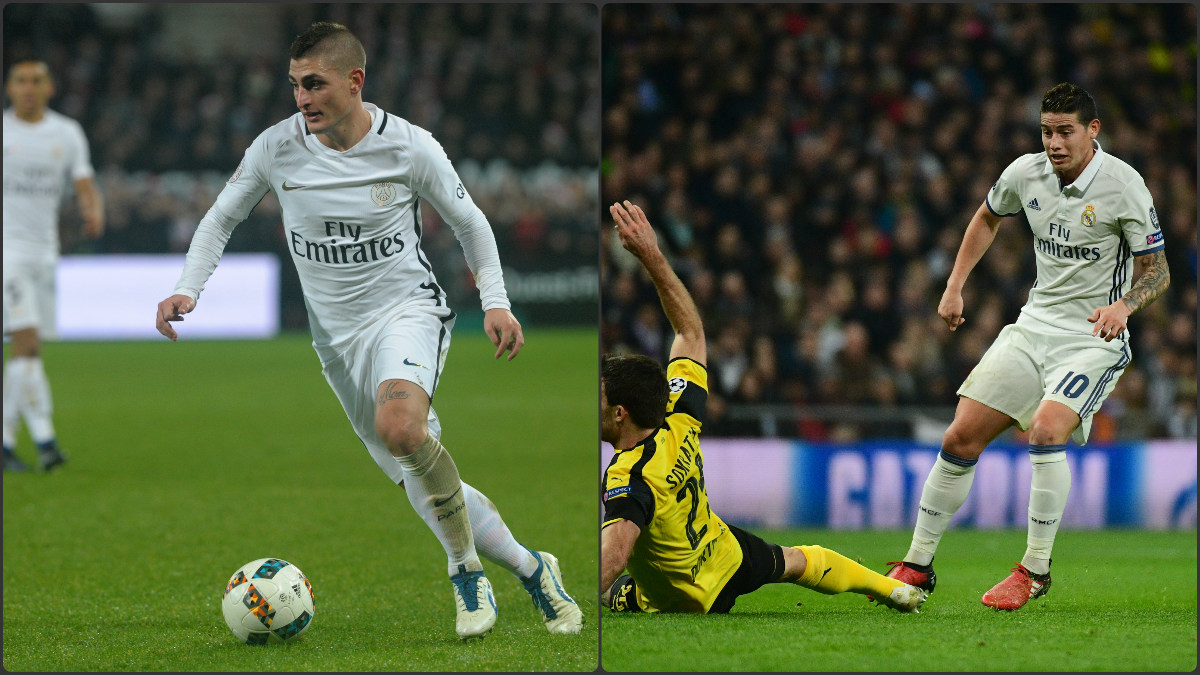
(1073, 388)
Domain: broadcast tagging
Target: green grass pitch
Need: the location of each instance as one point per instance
(189, 459)
(1121, 601)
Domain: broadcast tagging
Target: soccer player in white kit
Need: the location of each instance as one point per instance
(349, 177)
(43, 149)
(1091, 215)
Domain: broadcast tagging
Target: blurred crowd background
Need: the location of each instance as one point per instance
(811, 169)
(170, 96)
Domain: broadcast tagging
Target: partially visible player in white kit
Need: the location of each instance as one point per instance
(43, 150)
(1091, 216)
(349, 178)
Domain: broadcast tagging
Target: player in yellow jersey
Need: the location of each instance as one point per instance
(658, 525)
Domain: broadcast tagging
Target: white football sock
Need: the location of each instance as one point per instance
(35, 399)
(435, 491)
(493, 538)
(14, 375)
(945, 491)
(1047, 500)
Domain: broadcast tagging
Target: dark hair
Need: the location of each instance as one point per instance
(1071, 98)
(640, 384)
(334, 39)
(22, 60)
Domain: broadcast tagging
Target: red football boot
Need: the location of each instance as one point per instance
(1019, 588)
(923, 578)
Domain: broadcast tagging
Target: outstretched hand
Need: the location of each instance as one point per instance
(637, 236)
(173, 309)
(504, 331)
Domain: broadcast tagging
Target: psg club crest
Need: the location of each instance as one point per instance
(383, 193)
(1089, 216)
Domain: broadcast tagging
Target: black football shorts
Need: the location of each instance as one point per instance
(762, 563)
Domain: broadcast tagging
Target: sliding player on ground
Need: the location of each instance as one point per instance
(680, 556)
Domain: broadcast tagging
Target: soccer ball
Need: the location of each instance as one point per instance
(268, 600)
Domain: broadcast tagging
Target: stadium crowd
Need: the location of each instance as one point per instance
(511, 92)
(811, 170)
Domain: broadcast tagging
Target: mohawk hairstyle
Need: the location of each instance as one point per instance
(333, 40)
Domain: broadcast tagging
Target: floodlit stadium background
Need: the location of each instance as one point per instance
(170, 95)
(811, 170)
(258, 459)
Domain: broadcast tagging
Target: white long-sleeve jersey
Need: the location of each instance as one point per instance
(352, 221)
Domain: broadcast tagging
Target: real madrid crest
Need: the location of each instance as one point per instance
(1089, 216)
(383, 193)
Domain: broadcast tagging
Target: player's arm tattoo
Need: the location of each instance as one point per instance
(393, 390)
(1154, 280)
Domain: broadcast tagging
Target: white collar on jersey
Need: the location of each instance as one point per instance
(1089, 172)
(378, 118)
(378, 124)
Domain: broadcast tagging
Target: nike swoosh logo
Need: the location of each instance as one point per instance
(440, 502)
(292, 187)
(410, 363)
(823, 575)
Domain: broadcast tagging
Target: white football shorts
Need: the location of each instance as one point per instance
(1031, 362)
(410, 343)
(30, 298)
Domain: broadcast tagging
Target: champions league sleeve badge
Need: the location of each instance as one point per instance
(383, 193)
(677, 384)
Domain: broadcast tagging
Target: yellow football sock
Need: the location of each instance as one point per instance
(831, 572)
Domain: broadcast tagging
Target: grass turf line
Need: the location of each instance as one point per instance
(189, 459)
(1122, 600)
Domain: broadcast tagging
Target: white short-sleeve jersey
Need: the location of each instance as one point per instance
(1085, 234)
(39, 159)
(352, 221)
